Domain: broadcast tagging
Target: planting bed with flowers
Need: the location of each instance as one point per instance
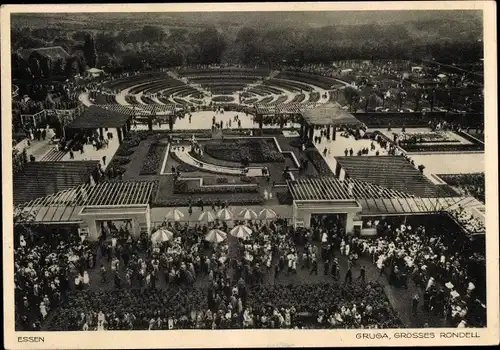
(154, 159)
(319, 162)
(252, 150)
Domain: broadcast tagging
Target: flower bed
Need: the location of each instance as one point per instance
(153, 160)
(237, 199)
(193, 187)
(266, 100)
(252, 100)
(472, 184)
(427, 137)
(253, 150)
(314, 97)
(319, 163)
(442, 148)
(223, 99)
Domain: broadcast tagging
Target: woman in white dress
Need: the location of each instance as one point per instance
(101, 318)
(266, 195)
(86, 279)
(43, 310)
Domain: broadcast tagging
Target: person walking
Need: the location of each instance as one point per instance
(362, 274)
(103, 160)
(414, 303)
(348, 275)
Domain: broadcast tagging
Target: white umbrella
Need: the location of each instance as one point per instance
(174, 215)
(207, 216)
(241, 231)
(225, 214)
(216, 236)
(266, 214)
(161, 236)
(248, 214)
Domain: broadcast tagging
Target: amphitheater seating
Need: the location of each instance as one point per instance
(223, 71)
(141, 87)
(218, 79)
(313, 79)
(123, 83)
(288, 85)
(262, 90)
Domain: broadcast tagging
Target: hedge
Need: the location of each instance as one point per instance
(319, 163)
(153, 160)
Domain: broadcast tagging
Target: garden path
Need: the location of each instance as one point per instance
(337, 148)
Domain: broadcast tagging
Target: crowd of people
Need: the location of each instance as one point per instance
(45, 263)
(127, 282)
(238, 306)
(440, 263)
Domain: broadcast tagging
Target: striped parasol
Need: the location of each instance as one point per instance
(241, 231)
(206, 216)
(225, 214)
(174, 215)
(267, 214)
(162, 235)
(216, 236)
(248, 214)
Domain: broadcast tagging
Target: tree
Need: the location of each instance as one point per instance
(35, 65)
(89, 51)
(351, 95)
(58, 67)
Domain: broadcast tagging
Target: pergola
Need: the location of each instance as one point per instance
(374, 199)
(281, 109)
(95, 117)
(66, 206)
(329, 115)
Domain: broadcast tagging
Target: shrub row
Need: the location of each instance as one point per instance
(319, 163)
(188, 187)
(153, 160)
(247, 199)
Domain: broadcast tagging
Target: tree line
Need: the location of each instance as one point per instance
(153, 47)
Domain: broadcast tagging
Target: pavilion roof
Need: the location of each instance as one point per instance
(284, 108)
(331, 188)
(64, 206)
(374, 199)
(140, 110)
(94, 117)
(330, 114)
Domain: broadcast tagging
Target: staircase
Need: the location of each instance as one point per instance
(217, 134)
(53, 156)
